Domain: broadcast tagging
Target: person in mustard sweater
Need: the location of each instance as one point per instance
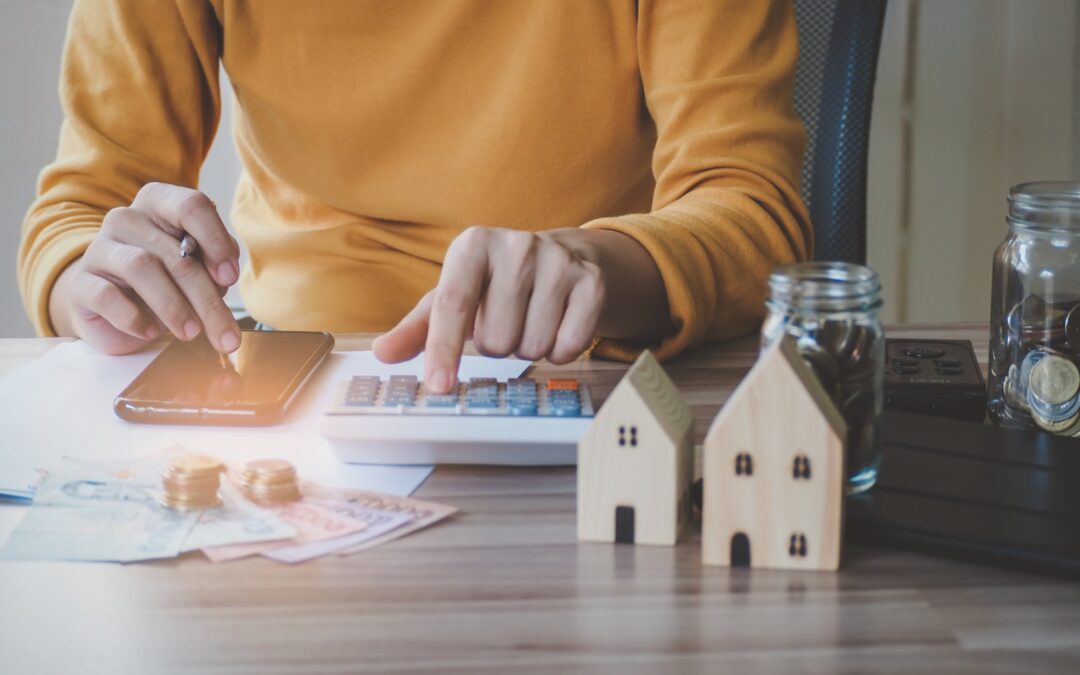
(541, 177)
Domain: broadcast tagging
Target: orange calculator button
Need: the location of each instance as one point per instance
(562, 385)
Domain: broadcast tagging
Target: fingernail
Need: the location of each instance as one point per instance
(152, 332)
(226, 273)
(439, 381)
(191, 329)
(230, 341)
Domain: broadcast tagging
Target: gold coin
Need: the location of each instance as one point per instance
(269, 481)
(1054, 380)
(1064, 427)
(195, 464)
(269, 468)
(185, 505)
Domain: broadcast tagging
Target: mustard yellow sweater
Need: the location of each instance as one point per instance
(373, 132)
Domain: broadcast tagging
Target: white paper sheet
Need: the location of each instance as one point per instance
(62, 404)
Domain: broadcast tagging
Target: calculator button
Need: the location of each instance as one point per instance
(947, 363)
(522, 409)
(950, 371)
(557, 384)
(441, 401)
(482, 403)
(924, 352)
(905, 362)
(906, 370)
(560, 411)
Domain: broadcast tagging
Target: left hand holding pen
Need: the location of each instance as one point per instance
(512, 292)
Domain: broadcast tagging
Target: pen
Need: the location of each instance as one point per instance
(187, 246)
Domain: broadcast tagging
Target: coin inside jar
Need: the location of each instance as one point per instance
(191, 481)
(269, 481)
(1066, 427)
(822, 363)
(1052, 388)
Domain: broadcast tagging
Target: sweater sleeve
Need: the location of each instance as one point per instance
(139, 91)
(718, 82)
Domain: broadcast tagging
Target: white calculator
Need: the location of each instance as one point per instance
(520, 421)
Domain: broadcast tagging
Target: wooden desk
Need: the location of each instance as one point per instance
(505, 586)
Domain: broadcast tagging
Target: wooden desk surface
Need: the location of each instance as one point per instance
(506, 586)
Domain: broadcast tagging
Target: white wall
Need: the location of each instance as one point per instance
(31, 39)
(972, 96)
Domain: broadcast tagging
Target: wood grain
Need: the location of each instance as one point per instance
(638, 455)
(778, 415)
(505, 586)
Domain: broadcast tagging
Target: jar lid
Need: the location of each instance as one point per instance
(825, 286)
(1045, 205)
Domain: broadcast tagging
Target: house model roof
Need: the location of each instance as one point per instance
(782, 360)
(648, 380)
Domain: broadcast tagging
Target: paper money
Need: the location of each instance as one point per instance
(75, 517)
(236, 521)
(378, 524)
(424, 513)
(312, 523)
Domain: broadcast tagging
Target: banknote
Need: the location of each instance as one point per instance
(236, 521)
(311, 521)
(135, 472)
(378, 524)
(76, 517)
(423, 513)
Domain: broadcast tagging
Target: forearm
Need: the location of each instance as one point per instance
(635, 301)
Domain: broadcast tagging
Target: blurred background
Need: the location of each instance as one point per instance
(972, 96)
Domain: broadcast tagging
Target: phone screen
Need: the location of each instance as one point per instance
(189, 382)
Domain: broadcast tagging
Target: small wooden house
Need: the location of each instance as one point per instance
(635, 463)
(773, 470)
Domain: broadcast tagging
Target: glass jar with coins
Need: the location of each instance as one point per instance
(831, 308)
(1034, 379)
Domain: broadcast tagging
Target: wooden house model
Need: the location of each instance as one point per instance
(635, 462)
(773, 470)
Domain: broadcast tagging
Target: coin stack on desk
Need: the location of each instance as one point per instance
(191, 482)
(269, 481)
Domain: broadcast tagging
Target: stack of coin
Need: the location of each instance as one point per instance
(1053, 394)
(269, 481)
(191, 482)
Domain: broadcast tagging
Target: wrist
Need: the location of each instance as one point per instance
(60, 311)
(636, 305)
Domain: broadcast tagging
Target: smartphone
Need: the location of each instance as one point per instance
(191, 383)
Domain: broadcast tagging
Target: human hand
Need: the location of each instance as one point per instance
(512, 292)
(132, 283)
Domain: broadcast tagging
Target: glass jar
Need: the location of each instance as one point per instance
(1035, 311)
(831, 308)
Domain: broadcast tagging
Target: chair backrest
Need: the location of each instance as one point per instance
(834, 90)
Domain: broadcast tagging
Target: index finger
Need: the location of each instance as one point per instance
(453, 311)
(172, 207)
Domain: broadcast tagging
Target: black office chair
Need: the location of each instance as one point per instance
(834, 90)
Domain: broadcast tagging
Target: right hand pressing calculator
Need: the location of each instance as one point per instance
(519, 421)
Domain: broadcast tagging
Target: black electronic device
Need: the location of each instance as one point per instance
(934, 377)
(190, 383)
(975, 491)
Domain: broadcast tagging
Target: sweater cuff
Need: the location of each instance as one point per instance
(690, 298)
(41, 271)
